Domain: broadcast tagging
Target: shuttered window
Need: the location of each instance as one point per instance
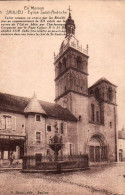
(7, 122)
(13, 123)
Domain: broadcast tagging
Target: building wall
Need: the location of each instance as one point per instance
(33, 126)
(78, 105)
(18, 127)
(76, 135)
(71, 71)
(103, 92)
(86, 128)
(11, 134)
(122, 147)
(69, 59)
(68, 137)
(107, 130)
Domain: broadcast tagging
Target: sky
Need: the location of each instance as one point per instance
(26, 63)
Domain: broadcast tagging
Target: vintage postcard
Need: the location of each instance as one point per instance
(62, 94)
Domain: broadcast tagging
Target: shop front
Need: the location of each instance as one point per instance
(12, 146)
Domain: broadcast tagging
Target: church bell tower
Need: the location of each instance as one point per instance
(71, 72)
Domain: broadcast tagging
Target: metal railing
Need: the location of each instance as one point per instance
(45, 158)
(73, 45)
(40, 162)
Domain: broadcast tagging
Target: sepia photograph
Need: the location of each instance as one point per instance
(62, 97)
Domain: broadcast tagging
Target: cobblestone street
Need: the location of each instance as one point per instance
(104, 179)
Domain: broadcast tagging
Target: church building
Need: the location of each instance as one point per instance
(84, 118)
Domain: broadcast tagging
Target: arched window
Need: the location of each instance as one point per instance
(79, 63)
(97, 92)
(97, 116)
(110, 94)
(64, 63)
(92, 112)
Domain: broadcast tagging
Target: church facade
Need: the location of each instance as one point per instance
(84, 118)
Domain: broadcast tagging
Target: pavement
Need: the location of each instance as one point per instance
(105, 179)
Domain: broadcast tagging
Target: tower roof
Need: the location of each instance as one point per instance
(70, 25)
(18, 104)
(34, 106)
(70, 21)
(102, 80)
(70, 40)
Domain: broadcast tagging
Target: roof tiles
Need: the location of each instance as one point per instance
(14, 103)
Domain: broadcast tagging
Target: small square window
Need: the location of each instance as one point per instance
(111, 124)
(49, 128)
(38, 117)
(80, 117)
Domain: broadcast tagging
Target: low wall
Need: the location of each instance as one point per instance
(73, 162)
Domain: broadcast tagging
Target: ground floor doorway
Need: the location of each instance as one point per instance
(97, 149)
